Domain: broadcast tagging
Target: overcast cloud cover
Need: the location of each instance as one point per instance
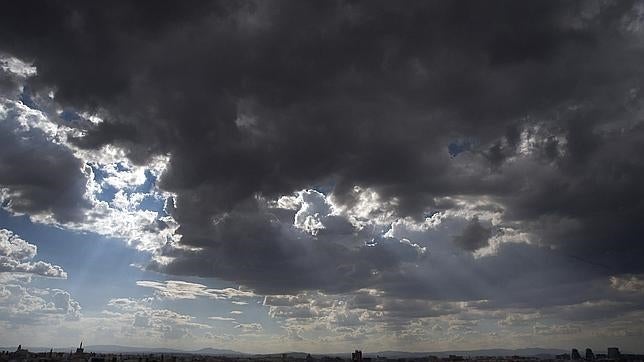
(416, 175)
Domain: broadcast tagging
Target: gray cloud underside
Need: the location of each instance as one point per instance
(252, 98)
(37, 176)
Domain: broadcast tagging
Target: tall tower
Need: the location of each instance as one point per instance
(356, 356)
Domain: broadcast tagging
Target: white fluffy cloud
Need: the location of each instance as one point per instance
(141, 318)
(16, 256)
(21, 305)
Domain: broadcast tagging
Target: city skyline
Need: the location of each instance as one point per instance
(270, 176)
(124, 352)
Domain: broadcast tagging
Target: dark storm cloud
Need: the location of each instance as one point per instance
(37, 176)
(249, 245)
(474, 236)
(9, 85)
(40, 177)
(265, 98)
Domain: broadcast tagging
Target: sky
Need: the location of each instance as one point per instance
(322, 176)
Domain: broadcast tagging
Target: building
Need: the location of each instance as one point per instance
(356, 356)
(589, 354)
(613, 353)
(21, 354)
(574, 355)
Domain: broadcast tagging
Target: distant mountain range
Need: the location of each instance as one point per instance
(528, 352)
(133, 350)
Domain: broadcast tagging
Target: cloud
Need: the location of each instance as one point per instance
(21, 305)
(535, 122)
(595, 310)
(37, 177)
(366, 312)
(16, 256)
(632, 284)
(520, 319)
(156, 323)
(249, 327)
(16, 67)
(62, 301)
(474, 236)
(278, 254)
(556, 329)
(14, 247)
(365, 151)
(44, 176)
(176, 289)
